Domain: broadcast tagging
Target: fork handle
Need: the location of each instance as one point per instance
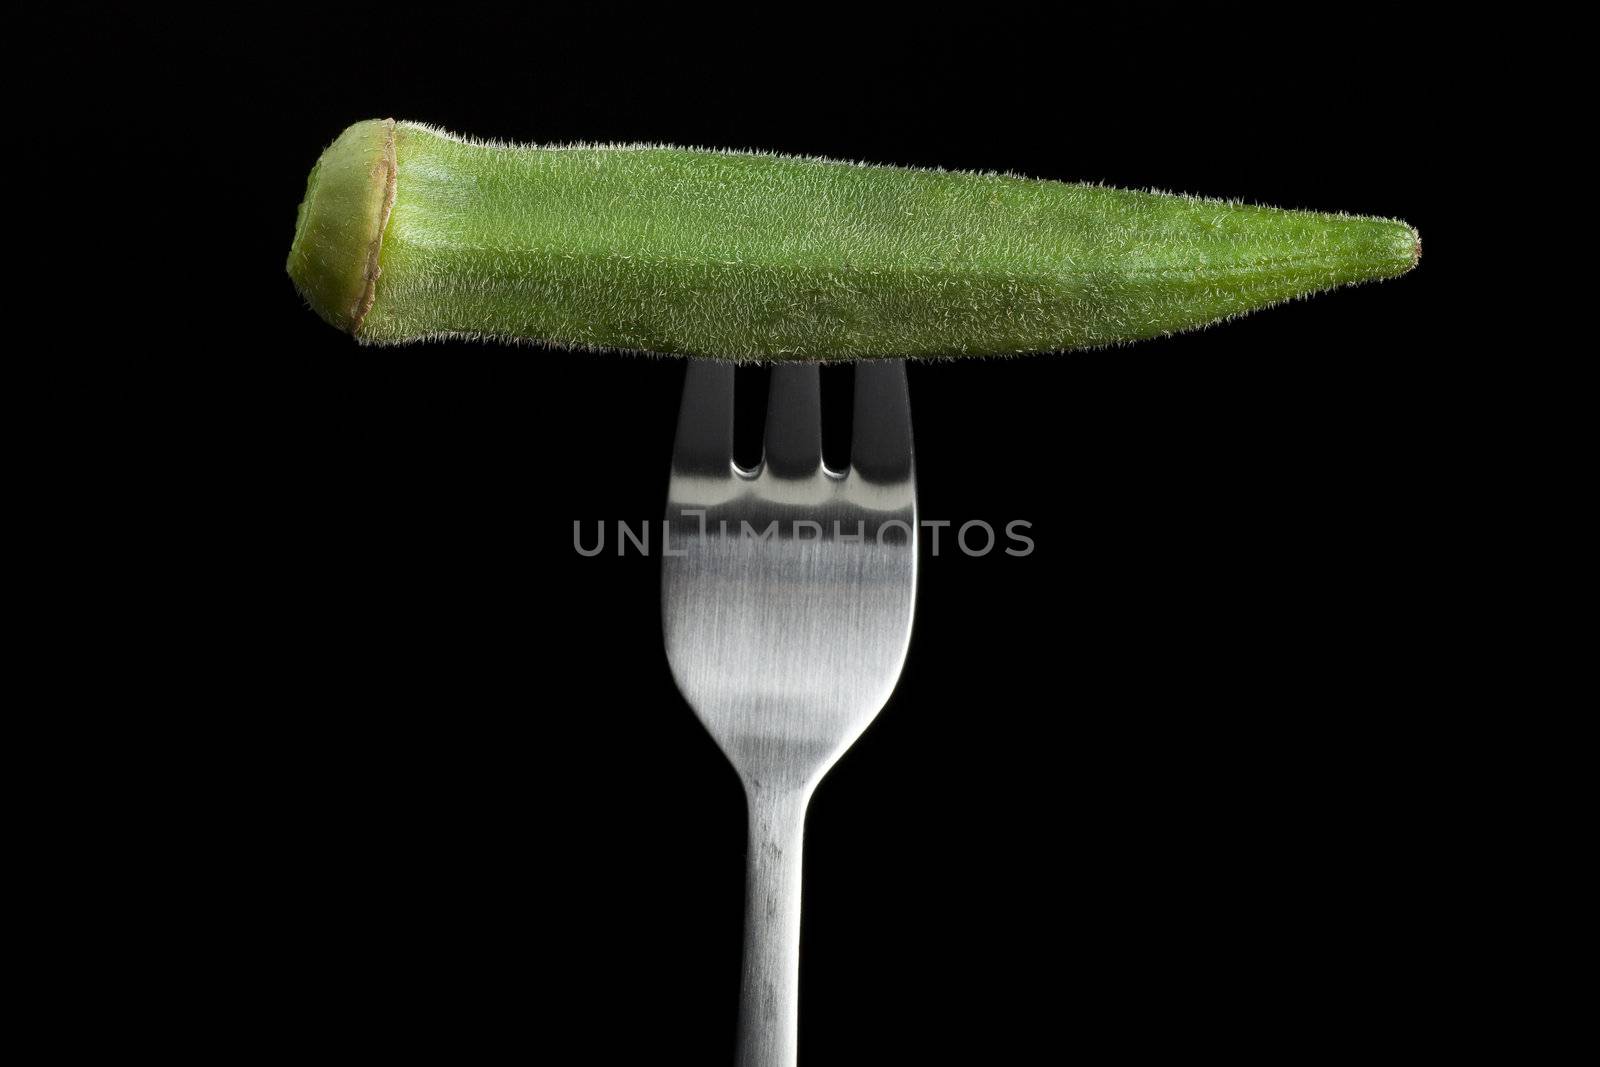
(769, 998)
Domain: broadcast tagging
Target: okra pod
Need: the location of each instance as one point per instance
(408, 233)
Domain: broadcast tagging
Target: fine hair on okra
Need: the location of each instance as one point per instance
(408, 233)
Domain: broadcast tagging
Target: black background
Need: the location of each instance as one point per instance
(1157, 787)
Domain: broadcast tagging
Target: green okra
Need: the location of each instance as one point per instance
(408, 233)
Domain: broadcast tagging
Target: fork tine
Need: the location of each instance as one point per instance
(794, 421)
(880, 441)
(704, 444)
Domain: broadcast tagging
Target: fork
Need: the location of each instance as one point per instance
(787, 593)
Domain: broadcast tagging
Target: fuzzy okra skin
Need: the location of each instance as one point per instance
(408, 233)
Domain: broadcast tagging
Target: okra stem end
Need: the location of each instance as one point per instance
(333, 260)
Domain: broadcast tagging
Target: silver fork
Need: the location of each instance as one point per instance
(787, 594)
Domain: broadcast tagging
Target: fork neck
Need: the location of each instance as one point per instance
(769, 1006)
(778, 796)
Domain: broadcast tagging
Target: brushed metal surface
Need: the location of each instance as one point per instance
(787, 598)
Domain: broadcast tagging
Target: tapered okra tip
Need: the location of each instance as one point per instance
(338, 234)
(1400, 248)
(1407, 245)
(1369, 249)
